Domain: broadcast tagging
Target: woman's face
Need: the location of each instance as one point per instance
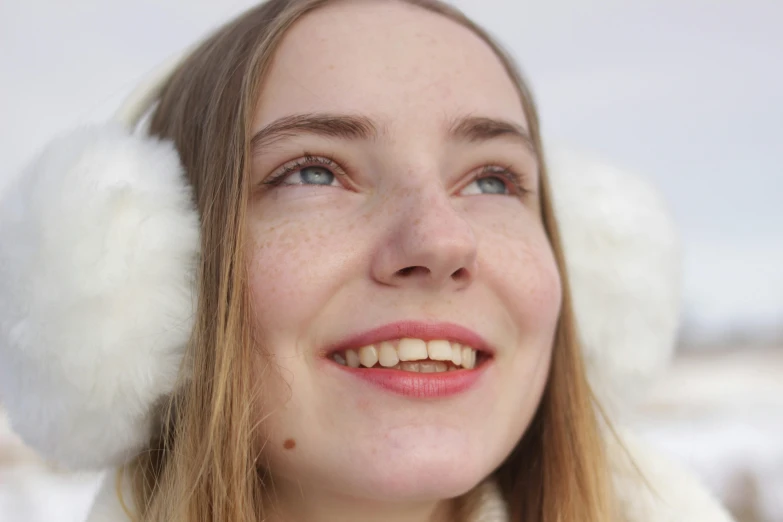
(395, 215)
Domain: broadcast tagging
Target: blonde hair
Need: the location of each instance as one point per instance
(203, 467)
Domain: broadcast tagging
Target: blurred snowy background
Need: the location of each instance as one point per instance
(687, 92)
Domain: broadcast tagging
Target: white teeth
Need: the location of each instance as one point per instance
(387, 355)
(465, 356)
(368, 355)
(416, 356)
(439, 350)
(427, 367)
(468, 358)
(433, 367)
(410, 366)
(352, 358)
(456, 354)
(412, 349)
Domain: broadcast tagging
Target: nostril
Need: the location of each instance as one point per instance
(410, 270)
(460, 275)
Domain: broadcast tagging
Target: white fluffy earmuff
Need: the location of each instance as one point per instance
(99, 239)
(623, 257)
(99, 243)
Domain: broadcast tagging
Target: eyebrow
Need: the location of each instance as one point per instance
(353, 127)
(479, 129)
(342, 126)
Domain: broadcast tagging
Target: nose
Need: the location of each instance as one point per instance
(428, 244)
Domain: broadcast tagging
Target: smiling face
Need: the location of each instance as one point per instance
(395, 207)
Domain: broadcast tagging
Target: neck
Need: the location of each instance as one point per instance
(292, 504)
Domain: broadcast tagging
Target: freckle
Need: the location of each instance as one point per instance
(289, 444)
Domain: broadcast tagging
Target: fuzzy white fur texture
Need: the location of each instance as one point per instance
(623, 258)
(664, 492)
(99, 239)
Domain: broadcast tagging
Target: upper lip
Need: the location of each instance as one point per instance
(426, 331)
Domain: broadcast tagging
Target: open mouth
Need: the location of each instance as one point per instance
(412, 355)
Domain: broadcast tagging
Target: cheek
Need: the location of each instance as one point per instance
(535, 301)
(517, 263)
(292, 272)
(520, 266)
(522, 269)
(540, 288)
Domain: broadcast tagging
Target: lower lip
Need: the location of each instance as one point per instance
(419, 385)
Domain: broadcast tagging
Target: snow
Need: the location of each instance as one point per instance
(722, 416)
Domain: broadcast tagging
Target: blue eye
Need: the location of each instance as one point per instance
(309, 170)
(315, 176)
(495, 180)
(492, 185)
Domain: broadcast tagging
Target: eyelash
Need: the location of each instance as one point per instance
(514, 181)
(308, 160)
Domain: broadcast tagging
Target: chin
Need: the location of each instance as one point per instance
(419, 475)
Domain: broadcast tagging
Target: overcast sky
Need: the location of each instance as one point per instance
(687, 92)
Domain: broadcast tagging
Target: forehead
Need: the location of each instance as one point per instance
(389, 60)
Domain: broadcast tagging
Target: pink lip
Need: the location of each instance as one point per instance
(411, 384)
(418, 385)
(414, 330)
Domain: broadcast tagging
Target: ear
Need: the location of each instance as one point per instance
(623, 261)
(99, 239)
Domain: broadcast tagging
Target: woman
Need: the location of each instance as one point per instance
(382, 328)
